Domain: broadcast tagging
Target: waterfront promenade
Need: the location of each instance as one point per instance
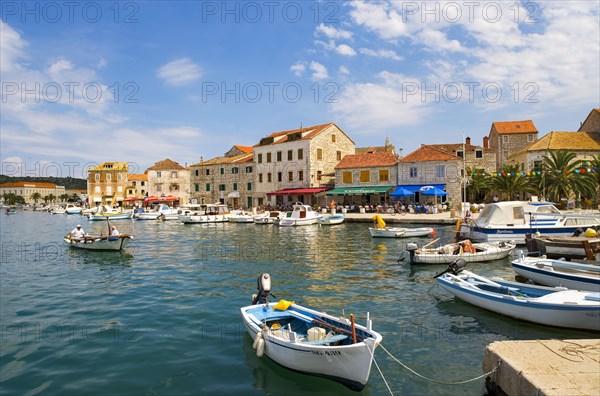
(442, 218)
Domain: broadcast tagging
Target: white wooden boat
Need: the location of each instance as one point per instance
(548, 306)
(160, 212)
(512, 220)
(210, 213)
(310, 341)
(381, 230)
(332, 219)
(299, 216)
(107, 243)
(470, 252)
(551, 272)
(570, 247)
(73, 209)
(241, 217)
(110, 216)
(58, 210)
(271, 217)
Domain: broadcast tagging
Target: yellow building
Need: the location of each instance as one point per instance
(107, 183)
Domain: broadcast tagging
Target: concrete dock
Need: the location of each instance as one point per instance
(544, 367)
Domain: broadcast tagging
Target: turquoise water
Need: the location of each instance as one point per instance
(163, 317)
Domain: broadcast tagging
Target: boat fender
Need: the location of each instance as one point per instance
(255, 343)
(260, 347)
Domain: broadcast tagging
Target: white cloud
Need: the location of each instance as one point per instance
(298, 68)
(381, 53)
(333, 33)
(12, 48)
(344, 70)
(319, 71)
(345, 50)
(179, 72)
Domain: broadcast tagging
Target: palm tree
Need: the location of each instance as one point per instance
(49, 197)
(563, 177)
(595, 165)
(36, 196)
(64, 197)
(512, 182)
(480, 183)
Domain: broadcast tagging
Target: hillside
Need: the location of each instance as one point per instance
(70, 183)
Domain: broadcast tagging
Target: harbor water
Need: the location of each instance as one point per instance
(162, 317)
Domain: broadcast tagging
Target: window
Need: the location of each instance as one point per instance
(478, 153)
(97, 176)
(338, 155)
(333, 138)
(197, 187)
(365, 176)
(290, 155)
(347, 177)
(268, 157)
(269, 179)
(130, 192)
(504, 138)
(207, 186)
(290, 176)
(300, 154)
(260, 178)
(413, 172)
(460, 153)
(97, 189)
(234, 186)
(300, 175)
(174, 187)
(319, 175)
(143, 183)
(119, 176)
(279, 156)
(235, 170)
(207, 172)
(279, 176)
(249, 186)
(158, 174)
(384, 175)
(196, 172)
(173, 174)
(108, 190)
(248, 169)
(319, 154)
(108, 175)
(537, 164)
(440, 171)
(260, 158)
(222, 170)
(159, 187)
(221, 187)
(530, 138)
(119, 188)
(505, 153)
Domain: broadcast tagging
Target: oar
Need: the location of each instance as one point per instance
(430, 243)
(335, 328)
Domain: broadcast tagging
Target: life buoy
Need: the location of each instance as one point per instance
(260, 347)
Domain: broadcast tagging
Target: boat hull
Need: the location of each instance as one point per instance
(546, 273)
(332, 220)
(579, 314)
(399, 232)
(103, 217)
(348, 364)
(292, 222)
(490, 253)
(195, 219)
(567, 247)
(99, 243)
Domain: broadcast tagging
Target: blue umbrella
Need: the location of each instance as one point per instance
(431, 190)
(402, 192)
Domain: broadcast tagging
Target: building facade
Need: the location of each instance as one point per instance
(227, 179)
(138, 185)
(475, 157)
(107, 183)
(168, 178)
(591, 123)
(28, 189)
(295, 165)
(506, 138)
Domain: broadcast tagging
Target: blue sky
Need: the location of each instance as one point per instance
(87, 82)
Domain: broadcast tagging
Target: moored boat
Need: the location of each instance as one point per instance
(381, 230)
(332, 219)
(73, 209)
(538, 304)
(310, 341)
(569, 247)
(111, 216)
(299, 216)
(552, 272)
(270, 217)
(470, 252)
(210, 213)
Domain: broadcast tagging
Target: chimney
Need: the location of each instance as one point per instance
(486, 142)
(468, 141)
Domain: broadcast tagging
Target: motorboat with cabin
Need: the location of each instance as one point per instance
(209, 213)
(300, 215)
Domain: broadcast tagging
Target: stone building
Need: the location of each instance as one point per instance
(295, 165)
(365, 178)
(27, 189)
(430, 166)
(480, 157)
(168, 178)
(592, 122)
(227, 179)
(506, 138)
(107, 183)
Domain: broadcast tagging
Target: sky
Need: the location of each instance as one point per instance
(138, 82)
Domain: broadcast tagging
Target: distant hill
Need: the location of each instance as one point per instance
(70, 183)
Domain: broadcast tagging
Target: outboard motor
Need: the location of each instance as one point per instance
(263, 284)
(410, 249)
(454, 267)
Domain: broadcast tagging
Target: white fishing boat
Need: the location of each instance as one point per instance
(332, 219)
(551, 272)
(470, 252)
(538, 304)
(11, 211)
(111, 216)
(107, 243)
(570, 247)
(300, 215)
(160, 212)
(58, 210)
(512, 220)
(212, 213)
(73, 209)
(241, 217)
(381, 230)
(310, 341)
(271, 217)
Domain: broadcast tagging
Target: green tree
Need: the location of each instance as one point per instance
(512, 183)
(36, 196)
(12, 199)
(64, 197)
(561, 180)
(480, 183)
(49, 198)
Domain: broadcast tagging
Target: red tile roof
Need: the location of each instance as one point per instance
(284, 136)
(137, 177)
(368, 160)
(503, 127)
(166, 164)
(29, 184)
(245, 149)
(429, 153)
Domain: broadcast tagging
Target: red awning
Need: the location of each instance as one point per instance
(169, 198)
(131, 199)
(299, 191)
(151, 198)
